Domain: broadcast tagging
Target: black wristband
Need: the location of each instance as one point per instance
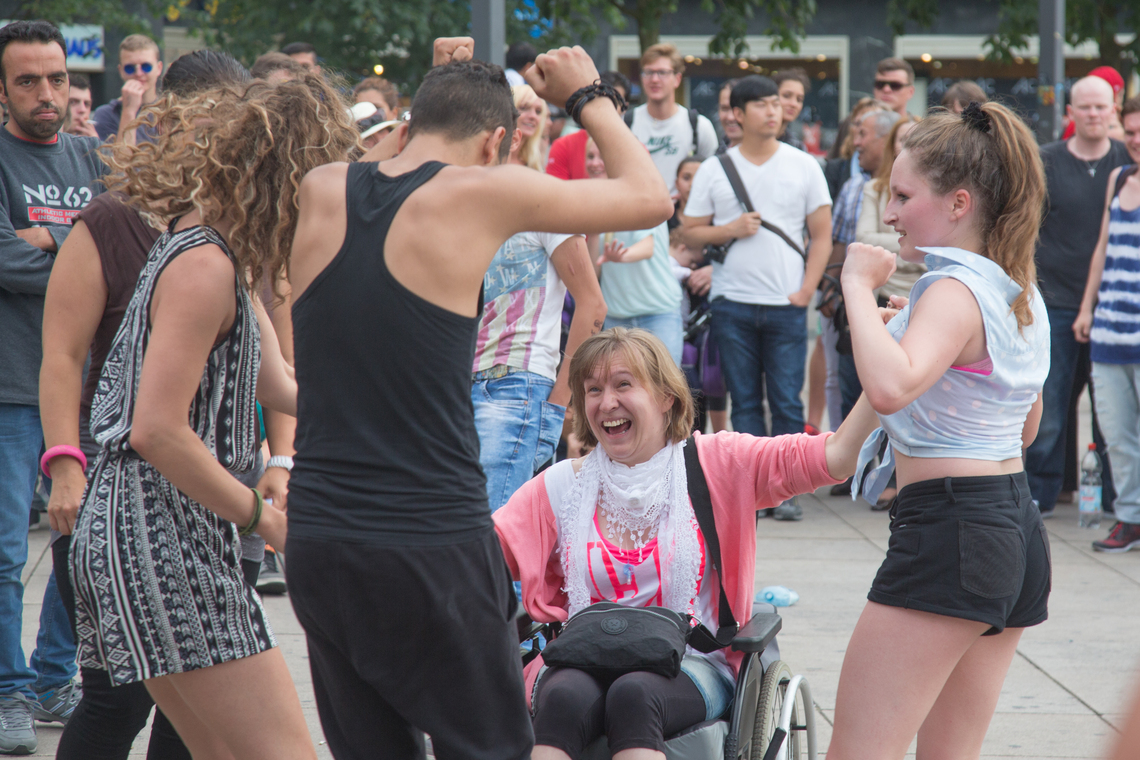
(599, 89)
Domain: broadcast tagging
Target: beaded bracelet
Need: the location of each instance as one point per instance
(583, 95)
(252, 527)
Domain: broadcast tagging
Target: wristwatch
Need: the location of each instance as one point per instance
(280, 461)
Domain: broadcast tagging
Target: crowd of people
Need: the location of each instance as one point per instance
(251, 312)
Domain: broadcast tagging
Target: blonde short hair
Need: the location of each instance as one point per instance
(664, 50)
(135, 42)
(648, 360)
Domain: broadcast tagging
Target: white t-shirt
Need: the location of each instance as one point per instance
(522, 306)
(671, 140)
(785, 189)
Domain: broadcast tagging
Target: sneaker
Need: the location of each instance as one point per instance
(56, 705)
(789, 511)
(1121, 538)
(17, 729)
(270, 580)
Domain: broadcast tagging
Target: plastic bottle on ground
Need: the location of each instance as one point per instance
(778, 596)
(1091, 489)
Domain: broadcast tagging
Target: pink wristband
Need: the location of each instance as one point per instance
(56, 451)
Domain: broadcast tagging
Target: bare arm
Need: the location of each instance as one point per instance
(193, 305)
(74, 304)
(132, 96)
(572, 262)
(819, 227)
(943, 325)
(1082, 326)
(616, 253)
(842, 449)
(701, 231)
(276, 386)
(1032, 422)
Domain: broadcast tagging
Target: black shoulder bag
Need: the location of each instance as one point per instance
(608, 640)
(718, 252)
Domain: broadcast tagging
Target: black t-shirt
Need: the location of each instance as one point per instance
(1071, 226)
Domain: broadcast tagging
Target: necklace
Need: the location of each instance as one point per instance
(1093, 165)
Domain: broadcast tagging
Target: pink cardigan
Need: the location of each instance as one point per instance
(744, 473)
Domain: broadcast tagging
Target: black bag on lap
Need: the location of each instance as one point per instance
(608, 640)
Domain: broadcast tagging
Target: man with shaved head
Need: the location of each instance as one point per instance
(1076, 172)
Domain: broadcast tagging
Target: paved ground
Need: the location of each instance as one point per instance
(1065, 691)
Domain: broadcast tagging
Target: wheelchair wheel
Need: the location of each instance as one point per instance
(773, 695)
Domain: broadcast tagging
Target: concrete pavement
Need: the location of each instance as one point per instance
(1063, 698)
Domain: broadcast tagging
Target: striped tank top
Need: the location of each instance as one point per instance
(1115, 335)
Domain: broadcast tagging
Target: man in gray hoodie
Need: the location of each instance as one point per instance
(46, 177)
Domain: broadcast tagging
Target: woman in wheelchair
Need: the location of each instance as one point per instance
(618, 525)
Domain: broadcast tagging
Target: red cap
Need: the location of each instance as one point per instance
(1110, 75)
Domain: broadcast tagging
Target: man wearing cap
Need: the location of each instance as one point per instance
(1076, 176)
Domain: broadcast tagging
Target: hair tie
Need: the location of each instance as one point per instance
(976, 118)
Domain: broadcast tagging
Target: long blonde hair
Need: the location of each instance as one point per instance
(237, 153)
(530, 152)
(990, 152)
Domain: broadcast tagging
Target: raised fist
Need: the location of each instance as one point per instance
(867, 266)
(448, 49)
(557, 74)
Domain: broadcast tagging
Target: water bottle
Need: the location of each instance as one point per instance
(778, 596)
(1090, 489)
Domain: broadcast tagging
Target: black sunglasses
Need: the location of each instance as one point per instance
(129, 68)
(885, 84)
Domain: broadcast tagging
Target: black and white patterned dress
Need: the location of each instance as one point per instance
(157, 576)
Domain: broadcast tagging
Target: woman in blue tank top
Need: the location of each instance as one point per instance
(955, 377)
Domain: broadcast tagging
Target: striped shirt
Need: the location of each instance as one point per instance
(1115, 335)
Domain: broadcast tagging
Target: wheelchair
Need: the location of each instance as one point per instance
(771, 717)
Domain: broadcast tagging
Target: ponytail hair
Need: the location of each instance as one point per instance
(989, 151)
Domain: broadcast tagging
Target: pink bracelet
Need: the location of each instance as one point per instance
(56, 451)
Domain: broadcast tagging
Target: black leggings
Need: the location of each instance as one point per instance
(108, 718)
(638, 710)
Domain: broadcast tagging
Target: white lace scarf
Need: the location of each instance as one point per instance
(648, 499)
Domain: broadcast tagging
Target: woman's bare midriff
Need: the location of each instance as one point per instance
(916, 469)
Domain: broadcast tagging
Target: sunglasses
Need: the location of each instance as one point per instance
(883, 84)
(130, 68)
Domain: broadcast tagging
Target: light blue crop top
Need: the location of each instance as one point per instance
(967, 414)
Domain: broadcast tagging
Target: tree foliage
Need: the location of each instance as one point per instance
(1096, 21)
(130, 17)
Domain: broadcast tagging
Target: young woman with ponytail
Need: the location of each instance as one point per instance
(955, 377)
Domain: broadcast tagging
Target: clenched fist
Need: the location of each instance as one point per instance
(556, 75)
(446, 50)
(867, 266)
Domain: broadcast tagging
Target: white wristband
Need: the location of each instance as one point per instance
(280, 461)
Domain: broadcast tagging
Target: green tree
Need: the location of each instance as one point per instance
(1096, 21)
(787, 20)
(130, 17)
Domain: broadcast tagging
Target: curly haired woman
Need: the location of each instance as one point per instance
(160, 596)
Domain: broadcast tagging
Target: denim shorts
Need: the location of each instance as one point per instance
(971, 548)
(717, 690)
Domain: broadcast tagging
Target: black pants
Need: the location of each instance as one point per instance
(108, 718)
(409, 639)
(637, 710)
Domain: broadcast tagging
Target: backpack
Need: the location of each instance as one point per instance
(1121, 178)
(694, 115)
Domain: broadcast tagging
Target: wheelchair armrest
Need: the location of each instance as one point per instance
(758, 632)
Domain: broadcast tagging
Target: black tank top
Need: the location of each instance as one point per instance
(386, 444)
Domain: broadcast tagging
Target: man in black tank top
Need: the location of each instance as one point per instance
(388, 504)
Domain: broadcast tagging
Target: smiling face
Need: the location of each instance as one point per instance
(1132, 135)
(530, 117)
(792, 99)
(35, 89)
(595, 166)
(728, 122)
(921, 216)
(628, 418)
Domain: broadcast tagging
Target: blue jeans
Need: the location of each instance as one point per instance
(1045, 457)
(53, 661)
(762, 346)
(518, 430)
(667, 327)
(1118, 407)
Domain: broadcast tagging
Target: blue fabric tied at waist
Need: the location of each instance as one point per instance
(872, 486)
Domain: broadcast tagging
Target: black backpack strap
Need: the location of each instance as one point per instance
(742, 196)
(702, 507)
(1121, 178)
(628, 118)
(694, 118)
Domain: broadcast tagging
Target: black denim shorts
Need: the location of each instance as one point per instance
(972, 548)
